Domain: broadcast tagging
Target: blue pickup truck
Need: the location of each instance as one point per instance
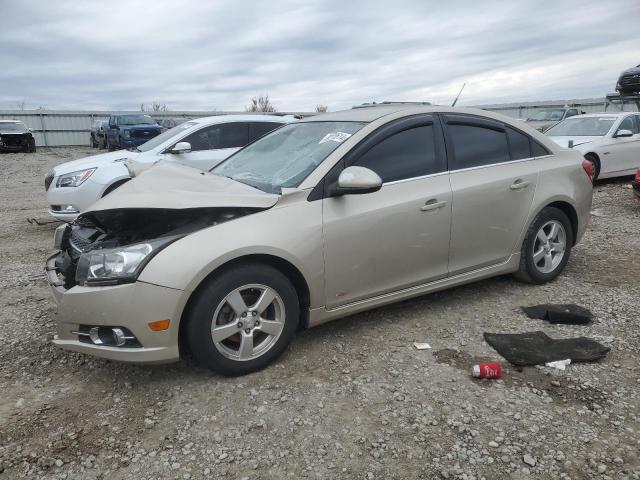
(131, 130)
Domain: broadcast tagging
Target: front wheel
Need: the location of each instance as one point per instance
(242, 319)
(546, 248)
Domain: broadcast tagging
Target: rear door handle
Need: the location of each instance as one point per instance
(432, 204)
(519, 184)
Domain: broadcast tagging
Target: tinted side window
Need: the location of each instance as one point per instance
(628, 124)
(258, 129)
(571, 113)
(475, 146)
(224, 135)
(518, 144)
(538, 150)
(406, 154)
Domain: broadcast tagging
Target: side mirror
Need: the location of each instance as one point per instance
(357, 180)
(30, 129)
(623, 133)
(180, 147)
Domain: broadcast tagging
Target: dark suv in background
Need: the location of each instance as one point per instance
(629, 81)
(129, 131)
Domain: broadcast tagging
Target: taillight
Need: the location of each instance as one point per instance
(638, 176)
(589, 169)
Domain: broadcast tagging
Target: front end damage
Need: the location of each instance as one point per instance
(121, 318)
(103, 230)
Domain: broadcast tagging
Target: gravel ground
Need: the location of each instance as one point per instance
(350, 399)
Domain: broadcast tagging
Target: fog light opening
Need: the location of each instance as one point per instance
(106, 336)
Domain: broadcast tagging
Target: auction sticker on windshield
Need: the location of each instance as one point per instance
(334, 137)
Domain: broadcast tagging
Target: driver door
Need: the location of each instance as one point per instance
(397, 237)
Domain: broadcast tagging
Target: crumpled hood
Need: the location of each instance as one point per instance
(564, 141)
(94, 161)
(170, 185)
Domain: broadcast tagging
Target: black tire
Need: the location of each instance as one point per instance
(31, 146)
(528, 271)
(212, 294)
(596, 165)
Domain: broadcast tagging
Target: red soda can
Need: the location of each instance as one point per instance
(487, 370)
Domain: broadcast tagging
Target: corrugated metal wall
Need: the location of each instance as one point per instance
(588, 105)
(57, 128)
(66, 128)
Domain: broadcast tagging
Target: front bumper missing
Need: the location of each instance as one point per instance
(131, 305)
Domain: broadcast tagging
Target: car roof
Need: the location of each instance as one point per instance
(375, 112)
(604, 114)
(242, 118)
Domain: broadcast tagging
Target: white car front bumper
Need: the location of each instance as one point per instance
(66, 203)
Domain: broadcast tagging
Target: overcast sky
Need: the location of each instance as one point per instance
(204, 55)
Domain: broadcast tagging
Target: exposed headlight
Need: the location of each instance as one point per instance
(117, 265)
(74, 179)
(126, 133)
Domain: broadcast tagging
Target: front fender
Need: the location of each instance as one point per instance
(292, 233)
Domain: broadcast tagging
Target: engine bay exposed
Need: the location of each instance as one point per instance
(121, 227)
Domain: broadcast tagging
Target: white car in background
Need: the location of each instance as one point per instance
(610, 141)
(201, 143)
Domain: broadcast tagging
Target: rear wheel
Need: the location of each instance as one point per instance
(546, 248)
(242, 319)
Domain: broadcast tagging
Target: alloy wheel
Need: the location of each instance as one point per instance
(248, 322)
(549, 246)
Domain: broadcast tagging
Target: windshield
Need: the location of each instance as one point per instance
(547, 115)
(164, 136)
(136, 120)
(582, 127)
(13, 127)
(285, 157)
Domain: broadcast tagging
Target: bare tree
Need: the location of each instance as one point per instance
(261, 103)
(21, 103)
(154, 107)
(321, 108)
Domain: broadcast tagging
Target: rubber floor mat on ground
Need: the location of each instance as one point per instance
(537, 348)
(567, 313)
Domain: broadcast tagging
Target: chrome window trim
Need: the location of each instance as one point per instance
(446, 172)
(510, 162)
(404, 180)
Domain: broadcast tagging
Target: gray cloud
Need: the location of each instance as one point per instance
(206, 55)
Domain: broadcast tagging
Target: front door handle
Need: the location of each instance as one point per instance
(519, 184)
(432, 204)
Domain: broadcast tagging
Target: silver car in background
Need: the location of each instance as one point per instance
(317, 220)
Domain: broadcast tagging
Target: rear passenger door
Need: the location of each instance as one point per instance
(212, 144)
(493, 179)
(398, 236)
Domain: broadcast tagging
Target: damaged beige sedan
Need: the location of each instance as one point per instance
(317, 220)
